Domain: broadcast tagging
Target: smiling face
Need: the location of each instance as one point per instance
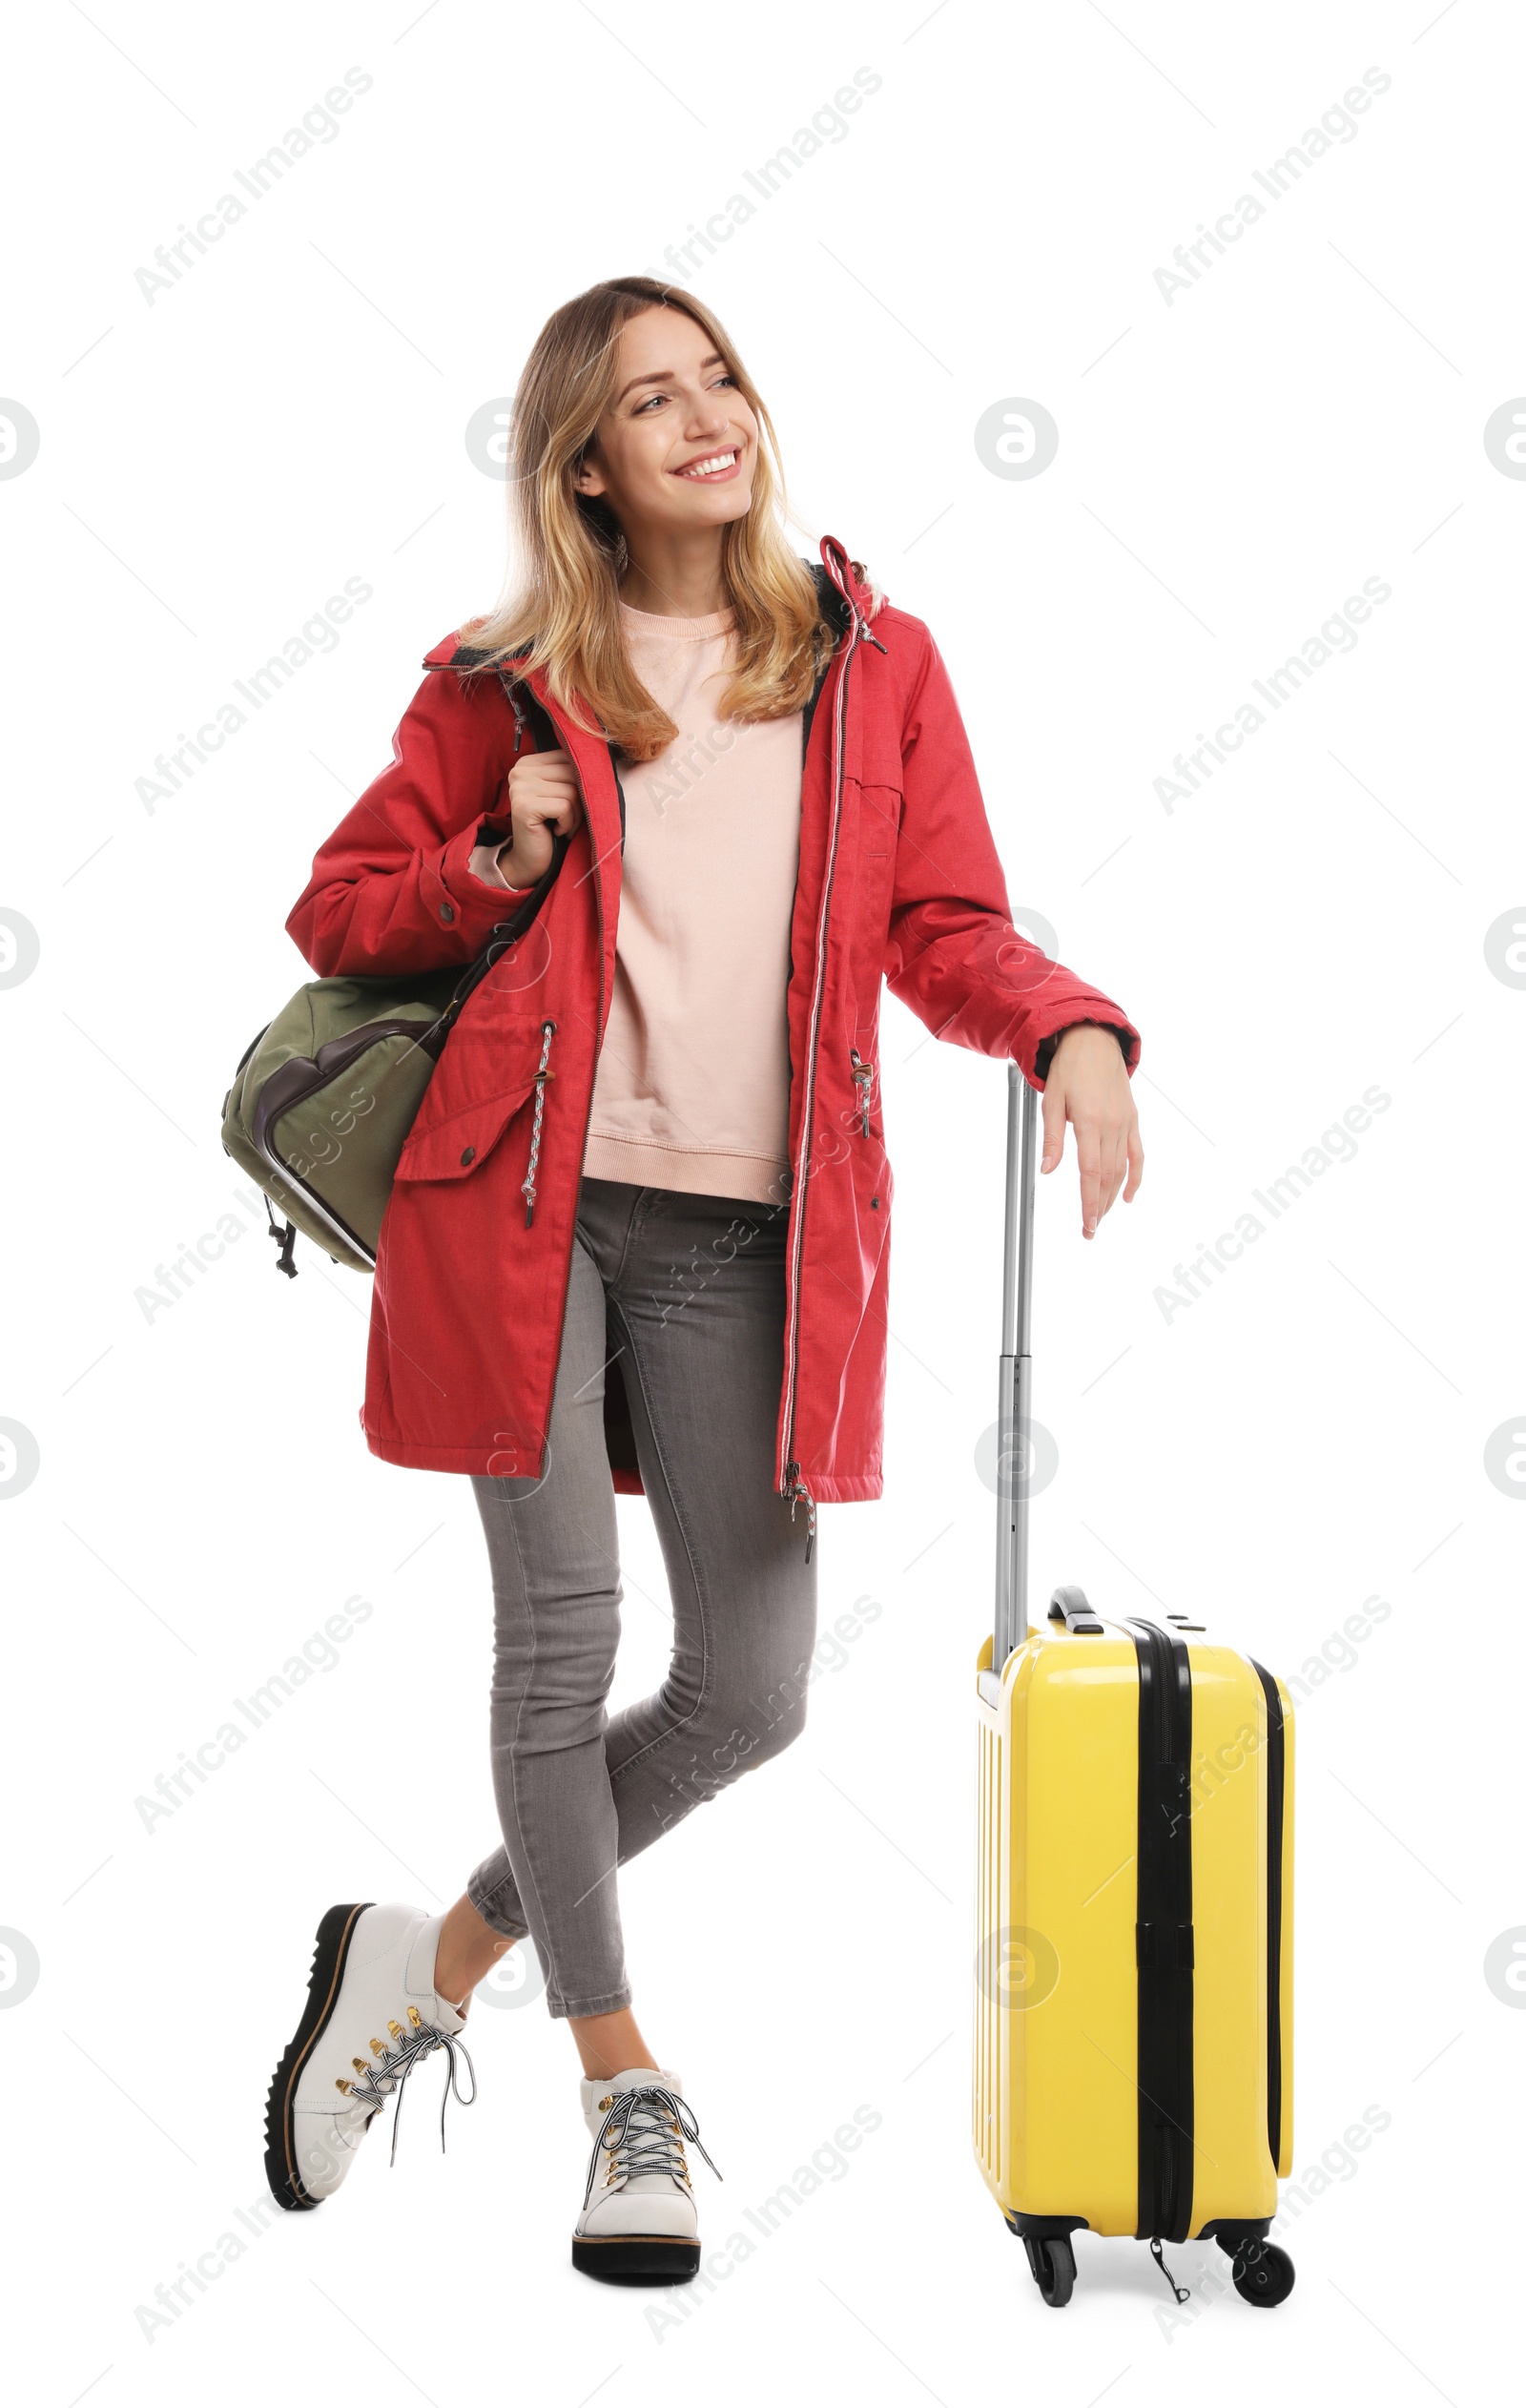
(676, 447)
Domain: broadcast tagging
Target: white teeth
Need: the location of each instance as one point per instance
(708, 468)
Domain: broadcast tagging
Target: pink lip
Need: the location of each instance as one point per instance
(722, 476)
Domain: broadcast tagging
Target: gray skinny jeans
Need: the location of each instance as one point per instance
(689, 1292)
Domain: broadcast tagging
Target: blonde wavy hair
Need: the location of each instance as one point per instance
(561, 604)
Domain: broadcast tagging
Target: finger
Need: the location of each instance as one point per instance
(1136, 1164)
(1107, 1167)
(551, 787)
(1054, 1126)
(546, 769)
(565, 804)
(1117, 1165)
(1088, 1155)
(554, 808)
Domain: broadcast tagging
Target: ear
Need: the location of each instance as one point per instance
(589, 477)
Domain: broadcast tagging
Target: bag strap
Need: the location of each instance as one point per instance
(529, 710)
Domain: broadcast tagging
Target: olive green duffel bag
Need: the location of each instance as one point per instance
(323, 1099)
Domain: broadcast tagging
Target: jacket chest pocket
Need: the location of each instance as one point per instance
(455, 1144)
(456, 1147)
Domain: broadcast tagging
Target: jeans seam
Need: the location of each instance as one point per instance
(701, 1595)
(553, 1988)
(640, 1214)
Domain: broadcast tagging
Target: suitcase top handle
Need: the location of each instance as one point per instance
(1069, 1606)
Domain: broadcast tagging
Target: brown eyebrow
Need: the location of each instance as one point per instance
(659, 376)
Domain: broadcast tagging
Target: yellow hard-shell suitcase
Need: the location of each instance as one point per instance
(1133, 2021)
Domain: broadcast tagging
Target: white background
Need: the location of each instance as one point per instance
(1308, 1434)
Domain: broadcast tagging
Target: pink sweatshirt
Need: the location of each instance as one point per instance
(693, 1086)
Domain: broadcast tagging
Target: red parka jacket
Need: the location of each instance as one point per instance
(899, 880)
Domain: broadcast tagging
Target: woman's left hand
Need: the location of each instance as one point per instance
(1088, 1085)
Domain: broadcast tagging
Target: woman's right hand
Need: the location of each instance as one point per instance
(543, 801)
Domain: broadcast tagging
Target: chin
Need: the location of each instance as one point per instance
(714, 505)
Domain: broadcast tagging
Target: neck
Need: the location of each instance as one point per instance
(675, 575)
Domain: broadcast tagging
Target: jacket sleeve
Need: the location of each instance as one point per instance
(953, 955)
(392, 891)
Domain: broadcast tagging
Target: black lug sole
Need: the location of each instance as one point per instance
(639, 2257)
(333, 1936)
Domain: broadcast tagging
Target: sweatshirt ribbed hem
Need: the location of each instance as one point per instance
(750, 1177)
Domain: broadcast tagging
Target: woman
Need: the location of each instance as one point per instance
(707, 797)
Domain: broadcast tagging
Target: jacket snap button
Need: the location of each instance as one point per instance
(447, 911)
(874, 1203)
(470, 1155)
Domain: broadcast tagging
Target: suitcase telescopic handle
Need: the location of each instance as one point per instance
(1015, 1399)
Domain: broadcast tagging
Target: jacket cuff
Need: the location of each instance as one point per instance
(1033, 1049)
(1128, 1038)
(484, 865)
(455, 895)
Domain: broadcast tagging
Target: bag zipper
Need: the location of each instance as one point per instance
(791, 1485)
(863, 1073)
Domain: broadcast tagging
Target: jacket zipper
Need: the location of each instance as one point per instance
(793, 1486)
(567, 1268)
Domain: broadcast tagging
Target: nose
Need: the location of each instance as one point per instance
(709, 415)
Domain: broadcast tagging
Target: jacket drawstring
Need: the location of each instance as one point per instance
(527, 1184)
(798, 1493)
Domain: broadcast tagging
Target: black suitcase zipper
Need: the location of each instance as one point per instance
(1163, 1937)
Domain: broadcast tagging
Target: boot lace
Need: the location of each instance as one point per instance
(644, 2131)
(387, 2074)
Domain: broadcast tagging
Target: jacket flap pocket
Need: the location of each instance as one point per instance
(454, 1149)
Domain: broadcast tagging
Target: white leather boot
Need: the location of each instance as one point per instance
(372, 2014)
(639, 2223)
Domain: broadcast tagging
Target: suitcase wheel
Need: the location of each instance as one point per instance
(1054, 2268)
(1263, 2272)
